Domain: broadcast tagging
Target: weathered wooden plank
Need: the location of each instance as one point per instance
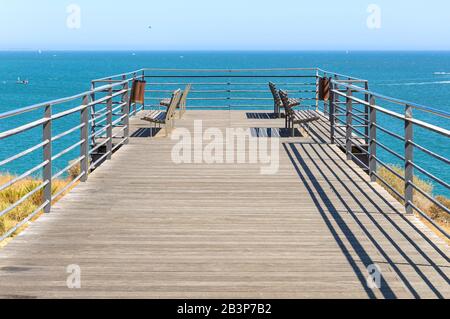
(145, 227)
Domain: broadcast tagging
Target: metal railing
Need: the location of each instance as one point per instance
(103, 125)
(234, 89)
(110, 124)
(358, 118)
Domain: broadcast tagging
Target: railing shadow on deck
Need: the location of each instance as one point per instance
(145, 132)
(298, 153)
(261, 116)
(273, 132)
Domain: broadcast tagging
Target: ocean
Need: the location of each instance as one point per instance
(421, 77)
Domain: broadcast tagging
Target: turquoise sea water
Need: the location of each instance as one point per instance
(422, 77)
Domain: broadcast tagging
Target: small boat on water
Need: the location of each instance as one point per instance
(19, 81)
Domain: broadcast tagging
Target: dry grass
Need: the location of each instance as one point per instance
(74, 171)
(432, 210)
(15, 192)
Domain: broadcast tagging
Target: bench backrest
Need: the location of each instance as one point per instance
(176, 96)
(275, 94)
(184, 95)
(285, 100)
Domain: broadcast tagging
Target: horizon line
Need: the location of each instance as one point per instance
(221, 50)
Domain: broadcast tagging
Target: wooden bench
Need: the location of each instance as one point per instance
(182, 104)
(164, 118)
(302, 117)
(277, 103)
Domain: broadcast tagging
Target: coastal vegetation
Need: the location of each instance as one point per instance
(15, 192)
(436, 213)
(12, 194)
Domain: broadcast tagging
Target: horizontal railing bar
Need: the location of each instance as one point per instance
(376, 107)
(389, 186)
(100, 110)
(115, 147)
(358, 146)
(431, 127)
(65, 133)
(119, 119)
(68, 112)
(65, 169)
(24, 175)
(229, 91)
(23, 199)
(100, 100)
(97, 146)
(229, 76)
(225, 99)
(97, 121)
(69, 185)
(108, 78)
(98, 115)
(22, 154)
(95, 134)
(29, 217)
(423, 149)
(118, 106)
(402, 158)
(23, 128)
(428, 174)
(430, 198)
(354, 129)
(228, 84)
(227, 70)
(396, 101)
(401, 138)
(93, 165)
(359, 161)
(67, 150)
(359, 119)
(107, 97)
(329, 73)
(58, 101)
(438, 227)
(119, 130)
(388, 168)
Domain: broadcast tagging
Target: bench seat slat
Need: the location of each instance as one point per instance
(155, 116)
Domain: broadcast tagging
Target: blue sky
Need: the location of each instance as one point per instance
(225, 25)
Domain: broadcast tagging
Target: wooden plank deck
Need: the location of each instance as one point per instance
(145, 227)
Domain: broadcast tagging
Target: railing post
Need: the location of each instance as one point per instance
(349, 122)
(84, 149)
(93, 114)
(325, 102)
(409, 154)
(372, 139)
(126, 112)
(317, 90)
(366, 112)
(47, 149)
(143, 105)
(109, 123)
(229, 93)
(332, 112)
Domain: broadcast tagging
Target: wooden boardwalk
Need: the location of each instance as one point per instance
(145, 227)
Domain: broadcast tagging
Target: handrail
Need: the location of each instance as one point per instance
(395, 100)
(352, 110)
(344, 92)
(58, 101)
(115, 93)
(228, 70)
